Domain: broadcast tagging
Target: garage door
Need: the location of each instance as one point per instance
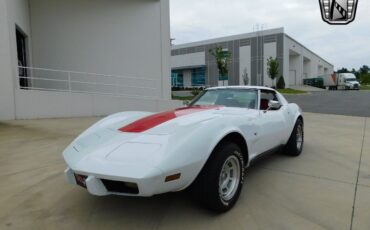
(292, 77)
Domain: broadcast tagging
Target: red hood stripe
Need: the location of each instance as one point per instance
(154, 120)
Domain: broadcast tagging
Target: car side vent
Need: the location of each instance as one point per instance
(120, 187)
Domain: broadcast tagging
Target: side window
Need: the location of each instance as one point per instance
(266, 96)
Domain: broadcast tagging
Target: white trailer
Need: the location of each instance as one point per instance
(343, 81)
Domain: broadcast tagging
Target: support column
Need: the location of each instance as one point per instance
(7, 106)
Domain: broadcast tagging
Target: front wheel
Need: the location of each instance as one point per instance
(294, 146)
(219, 184)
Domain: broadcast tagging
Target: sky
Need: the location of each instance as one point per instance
(343, 46)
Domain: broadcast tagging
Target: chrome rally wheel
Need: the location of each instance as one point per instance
(219, 184)
(299, 137)
(229, 178)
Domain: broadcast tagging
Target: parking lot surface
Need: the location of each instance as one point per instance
(351, 103)
(327, 187)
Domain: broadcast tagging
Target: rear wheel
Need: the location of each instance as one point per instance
(294, 146)
(219, 184)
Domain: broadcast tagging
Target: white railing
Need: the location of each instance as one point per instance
(30, 78)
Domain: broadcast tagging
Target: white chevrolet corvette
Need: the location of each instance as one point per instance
(207, 145)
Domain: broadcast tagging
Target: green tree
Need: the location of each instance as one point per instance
(343, 70)
(222, 59)
(365, 79)
(356, 73)
(364, 70)
(272, 68)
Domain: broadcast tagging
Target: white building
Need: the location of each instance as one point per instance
(84, 57)
(192, 64)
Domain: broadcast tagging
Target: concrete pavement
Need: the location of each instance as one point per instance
(307, 88)
(317, 190)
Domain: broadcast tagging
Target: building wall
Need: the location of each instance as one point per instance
(248, 52)
(192, 59)
(118, 37)
(34, 104)
(307, 68)
(303, 62)
(19, 16)
(6, 84)
(245, 63)
(12, 13)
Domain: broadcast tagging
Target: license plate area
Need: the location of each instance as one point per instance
(81, 180)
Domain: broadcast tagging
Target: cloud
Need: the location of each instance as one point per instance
(347, 46)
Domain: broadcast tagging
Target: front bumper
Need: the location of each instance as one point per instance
(107, 185)
(355, 86)
(96, 185)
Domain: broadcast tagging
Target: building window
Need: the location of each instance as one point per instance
(198, 77)
(177, 79)
(22, 55)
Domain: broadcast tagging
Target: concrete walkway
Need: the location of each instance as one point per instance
(317, 190)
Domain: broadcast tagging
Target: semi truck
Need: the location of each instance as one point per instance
(336, 81)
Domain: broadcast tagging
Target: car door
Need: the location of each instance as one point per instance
(272, 123)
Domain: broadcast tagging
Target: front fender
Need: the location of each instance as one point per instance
(190, 149)
(296, 113)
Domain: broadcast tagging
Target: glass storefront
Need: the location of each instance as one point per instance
(198, 77)
(177, 78)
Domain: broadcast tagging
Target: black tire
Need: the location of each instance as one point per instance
(206, 187)
(292, 147)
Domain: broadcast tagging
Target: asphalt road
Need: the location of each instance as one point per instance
(327, 187)
(350, 103)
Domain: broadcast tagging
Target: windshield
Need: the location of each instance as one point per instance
(350, 79)
(242, 98)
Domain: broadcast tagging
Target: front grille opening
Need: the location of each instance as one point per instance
(120, 186)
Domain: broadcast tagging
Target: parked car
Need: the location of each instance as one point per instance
(206, 146)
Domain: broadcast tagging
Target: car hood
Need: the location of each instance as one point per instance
(149, 136)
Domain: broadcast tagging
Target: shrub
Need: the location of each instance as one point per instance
(365, 78)
(195, 92)
(281, 83)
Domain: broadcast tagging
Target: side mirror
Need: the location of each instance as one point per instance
(274, 105)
